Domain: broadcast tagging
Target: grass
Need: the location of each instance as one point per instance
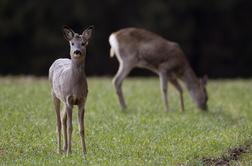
(143, 135)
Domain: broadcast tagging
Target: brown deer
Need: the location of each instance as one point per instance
(136, 47)
(69, 85)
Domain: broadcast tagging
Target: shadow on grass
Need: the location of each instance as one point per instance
(2, 152)
(217, 113)
(221, 115)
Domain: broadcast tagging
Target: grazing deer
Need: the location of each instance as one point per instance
(69, 85)
(135, 47)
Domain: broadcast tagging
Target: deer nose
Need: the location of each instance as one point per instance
(77, 52)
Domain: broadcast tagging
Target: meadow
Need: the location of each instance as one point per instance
(142, 135)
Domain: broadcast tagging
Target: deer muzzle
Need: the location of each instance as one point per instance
(77, 54)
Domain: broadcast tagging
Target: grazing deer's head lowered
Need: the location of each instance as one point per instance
(69, 85)
(136, 47)
(199, 94)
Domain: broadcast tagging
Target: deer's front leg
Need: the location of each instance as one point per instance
(69, 128)
(163, 87)
(180, 90)
(81, 127)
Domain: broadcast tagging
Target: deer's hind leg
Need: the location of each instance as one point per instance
(123, 71)
(64, 127)
(56, 102)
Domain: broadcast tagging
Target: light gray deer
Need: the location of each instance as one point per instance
(136, 47)
(69, 85)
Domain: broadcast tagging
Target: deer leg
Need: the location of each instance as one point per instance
(69, 128)
(122, 72)
(81, 128)
(180, 90)
(56, 102)
(163, 87)
(64, 126)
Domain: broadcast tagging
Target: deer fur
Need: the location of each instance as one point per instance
(69, 86)
(136, 47)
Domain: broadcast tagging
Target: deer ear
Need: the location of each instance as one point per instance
(204, 79)
(87, 33)
(68, 33)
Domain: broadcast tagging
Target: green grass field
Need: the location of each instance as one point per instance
(143, 135)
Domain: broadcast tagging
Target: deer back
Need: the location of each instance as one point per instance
(147, 49)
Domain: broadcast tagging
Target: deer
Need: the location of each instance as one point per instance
(69, 86)
(136, 47)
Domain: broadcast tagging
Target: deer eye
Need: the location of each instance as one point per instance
(72, 44)
(83, 44)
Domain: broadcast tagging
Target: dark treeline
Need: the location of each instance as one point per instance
(215, 34)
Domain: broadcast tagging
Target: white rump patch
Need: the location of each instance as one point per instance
(114, 45)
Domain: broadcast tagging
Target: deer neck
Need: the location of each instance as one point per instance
(190, 80)
(77, 69)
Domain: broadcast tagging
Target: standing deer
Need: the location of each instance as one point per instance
(135, 47)
(69, 85)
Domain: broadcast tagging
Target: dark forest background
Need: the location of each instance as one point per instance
(215, 34)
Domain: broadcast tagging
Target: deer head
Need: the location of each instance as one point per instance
(78, 43)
